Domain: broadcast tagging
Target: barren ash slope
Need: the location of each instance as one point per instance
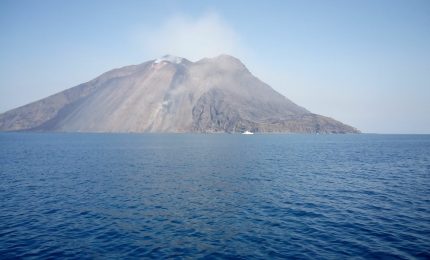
(171, 94)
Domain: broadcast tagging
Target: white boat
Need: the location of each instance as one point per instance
(247, 133)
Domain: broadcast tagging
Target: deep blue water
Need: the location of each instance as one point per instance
(214, 196)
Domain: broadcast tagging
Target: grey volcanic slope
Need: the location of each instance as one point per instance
(171, 94)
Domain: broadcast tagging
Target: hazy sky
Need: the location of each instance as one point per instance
(366, 63)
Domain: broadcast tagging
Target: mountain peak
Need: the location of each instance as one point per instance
(221, 57)
(225, 56)
(169, 58)
(225, 61)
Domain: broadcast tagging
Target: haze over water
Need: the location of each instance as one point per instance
(260, 196)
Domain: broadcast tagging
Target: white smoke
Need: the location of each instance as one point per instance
(193, 38)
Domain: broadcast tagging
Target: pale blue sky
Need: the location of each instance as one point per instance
(366, 63)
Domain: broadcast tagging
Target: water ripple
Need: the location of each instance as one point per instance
(214, 196)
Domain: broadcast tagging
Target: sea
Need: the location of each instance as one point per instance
(214, 196)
